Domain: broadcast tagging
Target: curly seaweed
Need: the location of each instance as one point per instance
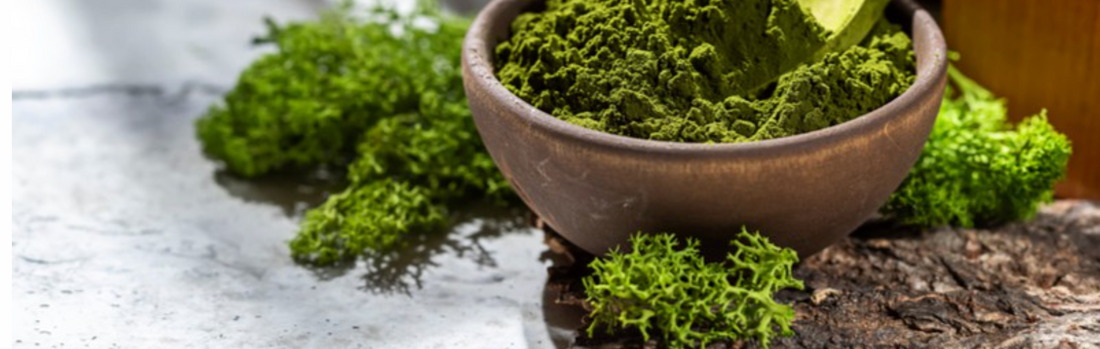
(666, 288)
(381, 94)
(976, 167)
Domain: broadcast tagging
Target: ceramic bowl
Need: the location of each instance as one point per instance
(804, 191)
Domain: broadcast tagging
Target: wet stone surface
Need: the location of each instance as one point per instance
(125, 235)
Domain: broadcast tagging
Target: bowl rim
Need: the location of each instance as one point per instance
(478, 72)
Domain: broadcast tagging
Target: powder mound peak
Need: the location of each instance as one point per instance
(697, 71)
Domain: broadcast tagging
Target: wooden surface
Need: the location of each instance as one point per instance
(1022, 285)
(1038, 54)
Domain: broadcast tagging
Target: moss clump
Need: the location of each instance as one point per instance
(977, 168)
(697, 71)
(383, 93)
(663, 287)
(374, 215)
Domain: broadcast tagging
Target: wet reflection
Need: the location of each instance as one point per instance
(292, 191)
(397, 271)
(563, 317)
(563, 295)
(563, 322)
(401, 270)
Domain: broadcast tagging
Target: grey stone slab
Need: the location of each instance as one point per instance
(125, 235)
(76, 43)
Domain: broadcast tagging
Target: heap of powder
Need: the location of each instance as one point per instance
(697, 71)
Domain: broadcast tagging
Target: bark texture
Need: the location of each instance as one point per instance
(1032, 284)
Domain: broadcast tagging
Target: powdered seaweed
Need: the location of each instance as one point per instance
(697, 71)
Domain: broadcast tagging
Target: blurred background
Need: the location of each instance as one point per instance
(69, 43)
(1036, 53)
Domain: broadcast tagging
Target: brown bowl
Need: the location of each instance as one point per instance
(804, 191)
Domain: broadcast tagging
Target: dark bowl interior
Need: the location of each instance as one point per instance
(804, 191)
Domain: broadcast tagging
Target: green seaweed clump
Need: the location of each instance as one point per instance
(381, 94)
(976, 168)
(668, 288)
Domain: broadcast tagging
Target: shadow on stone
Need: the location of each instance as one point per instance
(397, 271)
(293, 192)
(562, 309)
(401, 270)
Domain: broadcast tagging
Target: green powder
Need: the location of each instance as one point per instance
(697, 71)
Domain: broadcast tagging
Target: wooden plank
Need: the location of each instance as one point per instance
(1038, 54)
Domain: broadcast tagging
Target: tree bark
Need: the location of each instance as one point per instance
(1032, 284)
